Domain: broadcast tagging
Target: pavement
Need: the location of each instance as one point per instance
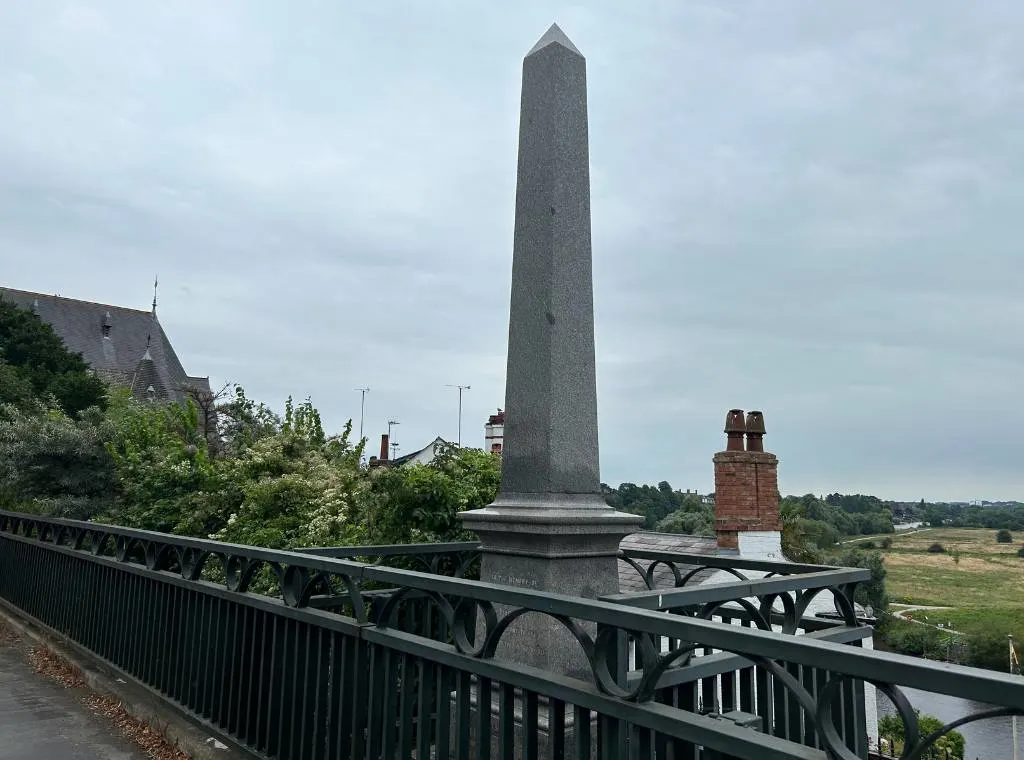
(42, 720)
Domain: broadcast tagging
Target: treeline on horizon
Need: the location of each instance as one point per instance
(820, 521)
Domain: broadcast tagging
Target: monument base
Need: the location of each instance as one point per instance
(559, 543)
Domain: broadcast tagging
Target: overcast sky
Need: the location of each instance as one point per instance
(814, 209)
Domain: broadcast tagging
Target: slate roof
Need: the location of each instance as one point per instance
(407, 457)
(664, 543)
(119, 344)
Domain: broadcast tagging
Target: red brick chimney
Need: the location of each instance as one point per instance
(746, 482)
(384, 441)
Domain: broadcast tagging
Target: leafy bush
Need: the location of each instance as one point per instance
(936, 548)
(887, 543)
(421, 502)
(35, 366)
(1004, 536)
(866, 545)
(986, 646)
(949, 746)
(872, 593)
(913, 639)
(1020, 552)
(54, 465)
(698, 521)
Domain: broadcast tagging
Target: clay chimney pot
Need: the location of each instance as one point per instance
(755, 431)
(734, 429)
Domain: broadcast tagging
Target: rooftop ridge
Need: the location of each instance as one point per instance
(4, 288)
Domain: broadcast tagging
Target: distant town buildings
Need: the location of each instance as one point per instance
(494, 432)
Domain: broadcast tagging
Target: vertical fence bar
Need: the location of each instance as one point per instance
(426, 708)
(445, 687)
(506, 722)
(360, 667)
(812, 681)
(556, 728)
(407, 690)
(463, 687)
(794, 714)
(582, 732)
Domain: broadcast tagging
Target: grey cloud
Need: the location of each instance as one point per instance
(809, 208)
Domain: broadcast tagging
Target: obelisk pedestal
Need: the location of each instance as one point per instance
(549, 528)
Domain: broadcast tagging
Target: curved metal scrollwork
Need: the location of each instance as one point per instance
(158, 556)
(299, 584)
(761, 620)
(730, 570)
(472, 612)
(239, 572)
(915, 746)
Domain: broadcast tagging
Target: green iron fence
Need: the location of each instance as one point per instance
(299, 655)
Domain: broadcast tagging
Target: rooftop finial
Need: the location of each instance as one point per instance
(156, 282)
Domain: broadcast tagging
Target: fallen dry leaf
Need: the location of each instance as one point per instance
(134, 729)
(153, 742)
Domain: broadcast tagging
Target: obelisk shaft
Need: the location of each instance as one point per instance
(549, 528)
(551, 391)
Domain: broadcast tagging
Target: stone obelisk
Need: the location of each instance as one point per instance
(549, 528)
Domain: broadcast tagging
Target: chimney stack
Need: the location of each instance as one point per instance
(384, 444)
(746, 490)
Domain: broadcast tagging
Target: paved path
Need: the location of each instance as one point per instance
(902, 615)
(42, 720)
(899, 533)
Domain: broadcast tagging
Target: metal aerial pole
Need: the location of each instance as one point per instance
(461, 389)
(362, 409)
(1014, 670)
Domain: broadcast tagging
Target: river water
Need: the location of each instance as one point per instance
(986, 740)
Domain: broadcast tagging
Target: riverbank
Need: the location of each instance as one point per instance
(959, 603)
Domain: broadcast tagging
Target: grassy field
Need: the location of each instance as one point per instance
(980, 579)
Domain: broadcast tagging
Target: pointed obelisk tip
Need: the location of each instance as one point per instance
(554, 35)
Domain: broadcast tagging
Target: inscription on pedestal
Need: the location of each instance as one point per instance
(514, 580)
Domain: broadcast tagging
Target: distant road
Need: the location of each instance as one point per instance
(883, 535)
(902, 615)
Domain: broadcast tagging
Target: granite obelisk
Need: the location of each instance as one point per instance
(550, 528)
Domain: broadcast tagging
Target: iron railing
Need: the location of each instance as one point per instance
(318, 666)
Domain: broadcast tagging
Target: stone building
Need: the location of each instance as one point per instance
(125, 347)
(494, 432)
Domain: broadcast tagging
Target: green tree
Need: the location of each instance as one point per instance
(872, 593)
(421, 502)
(987, 646)
(162, 465)
(693, 522)
(53, 464)
(243, 421)
(33, 357)
(297, 487)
